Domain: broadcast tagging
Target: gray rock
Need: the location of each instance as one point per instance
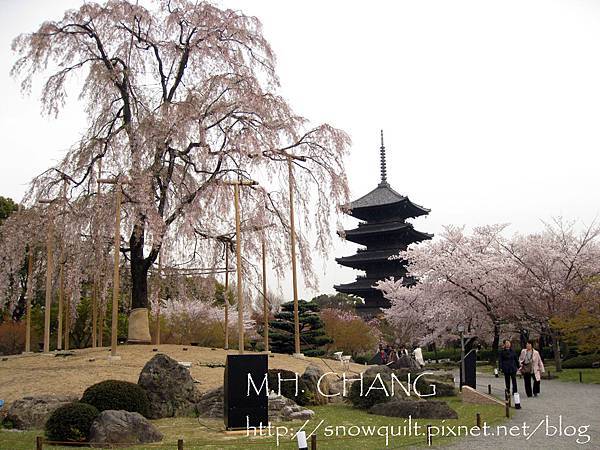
(122, 427)
(211, 404)
(33, 412)
(311, 377)
(305, 414)
(405, 362)
(283, 409)
(170, 388)
(384, 370)
(417, 409)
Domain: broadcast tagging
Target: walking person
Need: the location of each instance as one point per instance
(532, 367)
(509, 364)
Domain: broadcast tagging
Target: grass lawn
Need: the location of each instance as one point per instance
(207, 433)
(591, 376)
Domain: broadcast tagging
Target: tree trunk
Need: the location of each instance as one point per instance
(139, 269)
(139, 325)
(556, 350)
(495, 344)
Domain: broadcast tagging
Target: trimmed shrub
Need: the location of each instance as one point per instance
(374, 397)
(288, 388)
(443, 353)
(71, 422)
(581, 361)
(116, 394)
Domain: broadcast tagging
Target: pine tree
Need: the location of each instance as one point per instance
(312, 332)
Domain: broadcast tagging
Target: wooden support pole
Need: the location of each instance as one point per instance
(478, 421)
(293, 257)
(116, 281)
(94, 312)
(429, 437)
(238, 255)
(29, 298)
(67, 321)
(580, 376)
(313, 442)
(265, 301)
(507, 409)
(61, 293)
(39, 443)
(226, 295)
(101, 315)
(48, 302)
(96, 287)
(489, 389)
(179, 444)
(159, 289)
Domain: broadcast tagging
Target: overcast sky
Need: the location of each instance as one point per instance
(491, 109)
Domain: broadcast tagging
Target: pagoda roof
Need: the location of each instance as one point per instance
(362, 284)
(384, 195)
(364, 232)
(367, 256)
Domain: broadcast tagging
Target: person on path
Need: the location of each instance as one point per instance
(509, 364)
(532, 367)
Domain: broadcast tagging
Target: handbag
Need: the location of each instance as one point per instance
(527, 366)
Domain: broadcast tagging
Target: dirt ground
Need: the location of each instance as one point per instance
(36, 374)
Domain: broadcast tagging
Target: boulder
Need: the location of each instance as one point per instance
(372, 371)
(284, 409)
(170, 388)
(442, 388)
(280, 408)
(211, 404)
(122, 427)
(405, 362)
(311, 377)
(33, 412)
(417, 409)
(337, 386)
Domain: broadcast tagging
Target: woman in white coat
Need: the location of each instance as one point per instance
(531, 367)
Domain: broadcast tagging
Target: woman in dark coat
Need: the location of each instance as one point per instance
(509, 364)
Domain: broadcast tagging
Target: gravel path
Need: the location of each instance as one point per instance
(579, 405)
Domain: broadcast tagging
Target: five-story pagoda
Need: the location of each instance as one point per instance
(383, 231)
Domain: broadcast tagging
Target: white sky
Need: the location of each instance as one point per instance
(491, 109)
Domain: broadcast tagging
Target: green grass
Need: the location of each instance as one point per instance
(589, 376)
(207, 433)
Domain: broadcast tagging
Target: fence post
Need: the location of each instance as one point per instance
(489, 389)
(39, 443)
(429, 438)
(313, 442)
(179, 444)
(478, 420)
(507, 408)
(580, 376)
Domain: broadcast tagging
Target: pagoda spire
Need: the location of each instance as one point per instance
(382, 162)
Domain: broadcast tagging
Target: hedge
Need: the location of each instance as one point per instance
(71, 422)
(116, 394)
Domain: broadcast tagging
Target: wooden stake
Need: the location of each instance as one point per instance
(48, 302)
(96, 286)
(293, 256)
(29, 295)
(159, 288)
(226, 296)
(67, 320)
(238, 255)
(94, 311)
(61, 291)
(265, 301)
(116, 281)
